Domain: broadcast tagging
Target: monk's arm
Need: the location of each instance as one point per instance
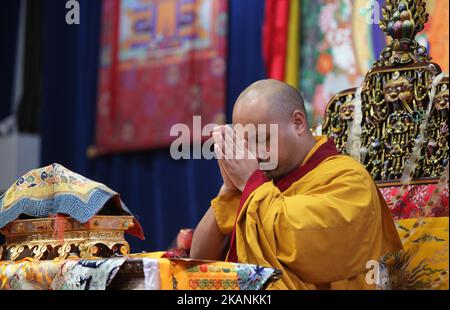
(208, 241)
(211, 236)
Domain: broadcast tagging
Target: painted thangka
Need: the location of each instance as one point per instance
(161, 63)
(339, 43)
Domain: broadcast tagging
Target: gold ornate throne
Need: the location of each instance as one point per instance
(395, 124)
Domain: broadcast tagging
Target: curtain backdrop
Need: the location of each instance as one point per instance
(164, 194)
(9, 24)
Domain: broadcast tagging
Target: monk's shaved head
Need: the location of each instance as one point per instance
(271, 102)
(276, 98)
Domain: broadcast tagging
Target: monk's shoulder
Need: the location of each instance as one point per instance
(343, 164)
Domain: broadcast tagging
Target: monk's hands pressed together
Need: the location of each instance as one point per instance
(236, 162)
(228, 186)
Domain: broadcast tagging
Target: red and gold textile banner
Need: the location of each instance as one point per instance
(161, 63)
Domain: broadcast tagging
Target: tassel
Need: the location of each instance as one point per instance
(58, 228)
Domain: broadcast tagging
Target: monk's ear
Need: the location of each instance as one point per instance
(300, 121)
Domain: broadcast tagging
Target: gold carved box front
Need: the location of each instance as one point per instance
(61, 237)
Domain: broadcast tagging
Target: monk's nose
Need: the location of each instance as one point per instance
(262, 156)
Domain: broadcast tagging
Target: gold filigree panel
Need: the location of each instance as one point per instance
(394, 101)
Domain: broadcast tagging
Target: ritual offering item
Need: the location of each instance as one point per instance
(52, 212)
(184, 239)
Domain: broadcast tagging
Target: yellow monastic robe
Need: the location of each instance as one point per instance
(321, 231)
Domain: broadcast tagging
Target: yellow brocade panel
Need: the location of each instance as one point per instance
(178, 275)
(423, 264)
(28, 274)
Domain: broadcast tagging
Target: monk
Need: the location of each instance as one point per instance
(317, 216)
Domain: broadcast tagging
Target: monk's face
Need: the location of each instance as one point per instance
(277, 150)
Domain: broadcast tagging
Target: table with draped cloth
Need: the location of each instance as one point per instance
(146, 271)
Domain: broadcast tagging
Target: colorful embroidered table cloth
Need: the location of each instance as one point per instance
(158, 274)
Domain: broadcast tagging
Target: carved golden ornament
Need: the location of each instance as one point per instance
(347, 110)
(102, 236)
(392, 113)
(402, 20)
(395, 101)
(441, 99)
(399, 88)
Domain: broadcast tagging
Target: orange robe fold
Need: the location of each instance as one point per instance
(320, 230)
